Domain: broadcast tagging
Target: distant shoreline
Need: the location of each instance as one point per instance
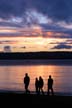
(36, 55)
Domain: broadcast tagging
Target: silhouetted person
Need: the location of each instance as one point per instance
(37, 85)
(50, 85)
(26, 82)
(41, 84)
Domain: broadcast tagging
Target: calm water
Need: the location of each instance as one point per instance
(11, 76)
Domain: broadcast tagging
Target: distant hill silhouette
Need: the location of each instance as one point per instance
(37, 55)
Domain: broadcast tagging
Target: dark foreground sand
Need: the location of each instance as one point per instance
(22, 100)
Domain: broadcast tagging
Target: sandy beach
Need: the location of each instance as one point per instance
(33, 100)
(21, 99)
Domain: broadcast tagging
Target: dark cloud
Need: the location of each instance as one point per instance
(8, 42)
(58, 43)
(11, 35)
(10, 24)
(7, 49)
(62, 46)
(12, 7)
(69, 41)
(56, 9)
(62, 43)
(53, 27)
(23, 47)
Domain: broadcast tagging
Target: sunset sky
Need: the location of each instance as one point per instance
(35, 25)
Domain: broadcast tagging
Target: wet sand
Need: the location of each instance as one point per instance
(33, 100)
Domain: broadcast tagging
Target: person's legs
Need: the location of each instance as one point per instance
(42, 91)
(52, 91)
(48, 92)
(37, 90)
(26, 88)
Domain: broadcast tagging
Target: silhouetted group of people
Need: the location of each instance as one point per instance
(39, 83)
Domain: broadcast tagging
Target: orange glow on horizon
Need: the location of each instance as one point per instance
(51, 34)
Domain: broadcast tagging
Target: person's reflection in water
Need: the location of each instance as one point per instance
(26, 82)
(50, 85)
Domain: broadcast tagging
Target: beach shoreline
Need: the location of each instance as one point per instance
(34, 100)
(20, 99)
(18, 92)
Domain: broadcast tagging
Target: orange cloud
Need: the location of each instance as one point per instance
(52, 34)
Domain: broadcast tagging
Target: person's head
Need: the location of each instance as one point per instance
(40, 77)
(49, 76)
(26, 74)
(36, 78)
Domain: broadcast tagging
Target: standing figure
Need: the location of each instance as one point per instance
(41, 84)
(50, 85)
(37, 85)
(26, 82)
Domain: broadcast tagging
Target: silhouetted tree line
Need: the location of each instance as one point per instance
(37, 55)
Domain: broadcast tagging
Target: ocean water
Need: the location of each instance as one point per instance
(12, 73)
